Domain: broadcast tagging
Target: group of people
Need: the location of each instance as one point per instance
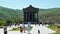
(21, 30)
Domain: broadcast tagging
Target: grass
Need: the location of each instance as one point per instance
(55, 27)
(18, 28)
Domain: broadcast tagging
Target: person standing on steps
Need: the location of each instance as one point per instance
(38, 31)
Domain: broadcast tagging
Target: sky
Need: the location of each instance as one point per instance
(20, 4)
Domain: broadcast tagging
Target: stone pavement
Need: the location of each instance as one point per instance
(43, 30)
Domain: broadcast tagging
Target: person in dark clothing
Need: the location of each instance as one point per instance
(5, 30)
(39, 24)
(38, 31)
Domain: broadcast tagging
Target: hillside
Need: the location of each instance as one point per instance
(50, 15)
(12, 15)
(16, 15)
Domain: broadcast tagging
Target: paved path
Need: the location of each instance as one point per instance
(43, 30)
(1, 31)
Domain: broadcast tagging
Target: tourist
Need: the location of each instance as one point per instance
(23, 26)
(38, 31)
(5, 29)
(39, 24)
(21, 30)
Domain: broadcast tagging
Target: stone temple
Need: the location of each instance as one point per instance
(30, 15)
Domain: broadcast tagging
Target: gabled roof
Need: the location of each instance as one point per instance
(30, 9)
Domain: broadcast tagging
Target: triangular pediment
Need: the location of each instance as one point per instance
(30, 8)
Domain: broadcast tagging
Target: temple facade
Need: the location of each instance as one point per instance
(30, 14)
